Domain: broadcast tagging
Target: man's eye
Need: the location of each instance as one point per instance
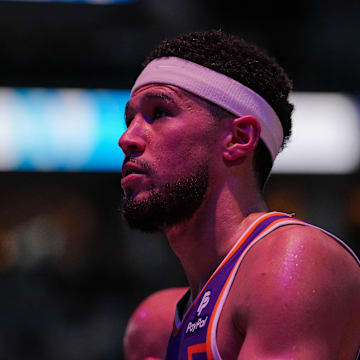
(159, 113)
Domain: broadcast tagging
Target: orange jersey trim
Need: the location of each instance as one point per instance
(247, 233)
(196, 349)
(235, 269)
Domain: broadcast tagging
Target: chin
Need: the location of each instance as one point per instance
(132, 195)
(167, 205)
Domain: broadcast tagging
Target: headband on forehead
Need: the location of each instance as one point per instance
(218, 89)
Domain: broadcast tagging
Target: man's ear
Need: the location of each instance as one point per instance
(243, 139)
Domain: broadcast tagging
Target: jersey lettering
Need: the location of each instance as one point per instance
(200, 323)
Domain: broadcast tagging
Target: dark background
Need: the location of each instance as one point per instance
(82, 45)
(71, 272)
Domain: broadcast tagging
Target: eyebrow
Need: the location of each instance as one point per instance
(153, 95)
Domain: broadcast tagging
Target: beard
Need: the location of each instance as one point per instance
(171, 204)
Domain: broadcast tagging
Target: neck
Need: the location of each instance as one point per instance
(202, 242)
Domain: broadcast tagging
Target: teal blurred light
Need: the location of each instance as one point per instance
(78, 130)
(61, 129)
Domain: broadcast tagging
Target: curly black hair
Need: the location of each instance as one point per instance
(244, 62)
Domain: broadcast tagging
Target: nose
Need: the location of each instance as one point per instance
(132, 140)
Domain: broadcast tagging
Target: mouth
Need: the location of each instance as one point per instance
(131, 172)
(133, 182)
(131, 176)
(131, 168)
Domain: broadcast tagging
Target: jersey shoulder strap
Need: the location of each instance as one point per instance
(271, 226)
(190, 337)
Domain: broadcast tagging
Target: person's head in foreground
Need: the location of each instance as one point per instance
(215, 108)
(206, 119)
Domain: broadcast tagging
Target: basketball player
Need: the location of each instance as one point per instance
(206, 119)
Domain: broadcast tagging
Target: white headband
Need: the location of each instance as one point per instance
(218, 89)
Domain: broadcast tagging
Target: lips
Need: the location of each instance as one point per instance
(132, 176)
(131, 168)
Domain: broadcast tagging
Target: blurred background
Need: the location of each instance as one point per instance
(71, 271)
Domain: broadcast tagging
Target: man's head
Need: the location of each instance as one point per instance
(245, 63)
(166, 166)
(172, 137)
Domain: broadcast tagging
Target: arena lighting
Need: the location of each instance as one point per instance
(78, 130)
(326, 128)
(61, 129)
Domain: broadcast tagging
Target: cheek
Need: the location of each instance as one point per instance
(182, 145)
(179, 157)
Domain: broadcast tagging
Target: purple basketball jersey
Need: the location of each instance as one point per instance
(194, 336)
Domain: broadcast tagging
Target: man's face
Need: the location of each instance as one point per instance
(168, 145)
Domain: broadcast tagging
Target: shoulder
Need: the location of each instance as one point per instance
(297, 257)
(298, 282)
(297, 249)
(150, 326)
